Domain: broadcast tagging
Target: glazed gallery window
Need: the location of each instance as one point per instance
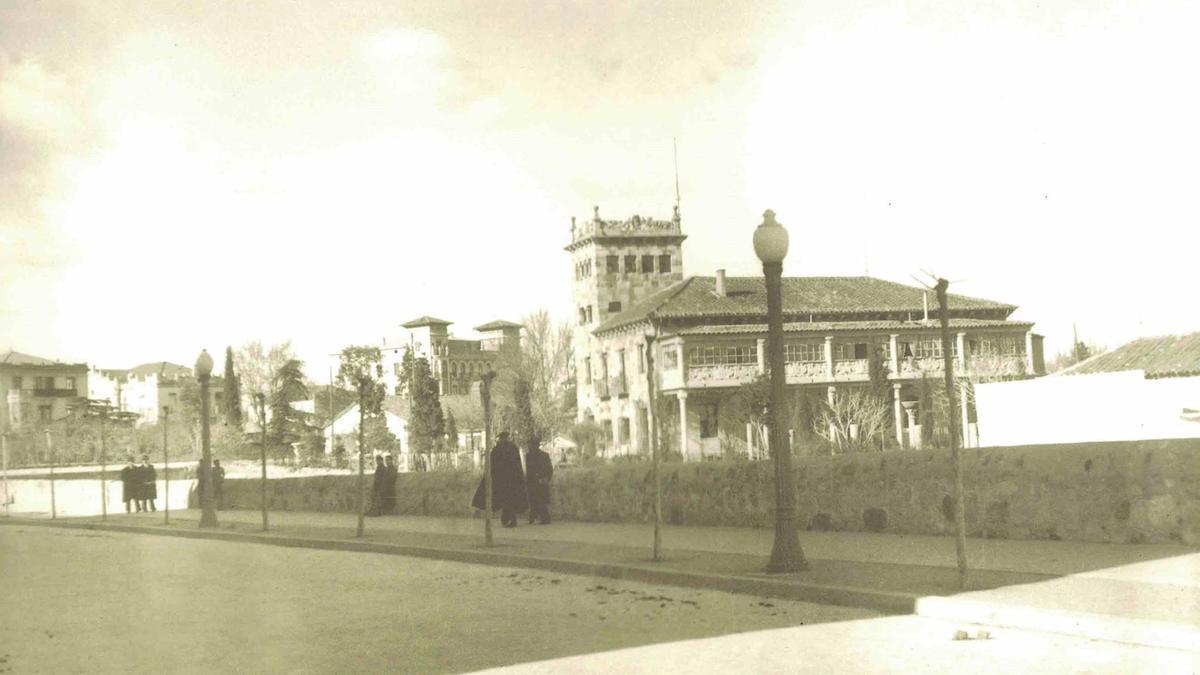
(1002, 345)
(928, 349)
(804, 352)
(724, 355)
(587, 369)
(664, 264)
(850, 351)
(630, 264)
(670, 359)
(622, 430)
(612, 264)
(647, 264)
(614, 306)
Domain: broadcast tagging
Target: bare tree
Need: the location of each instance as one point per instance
(257, 365)
(855, 418)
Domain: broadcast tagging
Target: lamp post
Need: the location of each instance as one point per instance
(208, 514)
(262, 423)
(771, 245)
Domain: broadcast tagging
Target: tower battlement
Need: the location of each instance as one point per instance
(634, 226)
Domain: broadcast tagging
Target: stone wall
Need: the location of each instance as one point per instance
(1147, 491)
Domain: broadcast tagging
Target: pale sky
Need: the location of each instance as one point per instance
(183, 175)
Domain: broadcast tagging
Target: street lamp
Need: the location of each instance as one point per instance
(771, 246)
(208, 514)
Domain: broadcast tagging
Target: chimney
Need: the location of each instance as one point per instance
(720, 284)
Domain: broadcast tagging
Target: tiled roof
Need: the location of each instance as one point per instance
(1163, 356)
(695, 297)
(163, 368)
(498, 324)
(425, 321)
(836, 326)
(12, 358)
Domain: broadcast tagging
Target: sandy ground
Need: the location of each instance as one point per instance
(76, 601)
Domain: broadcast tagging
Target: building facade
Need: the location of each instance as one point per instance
(146, 389)
(707, 337)
(455, 363)
(35, 391)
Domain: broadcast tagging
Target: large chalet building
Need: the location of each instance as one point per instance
(709, 335)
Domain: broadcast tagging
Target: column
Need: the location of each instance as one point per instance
(762, 356)
(898, 412)
(962, 352)
(830, 394)
(683, 426)
(829, 357)
(966, 429)
(1029, 353)
(894, 365)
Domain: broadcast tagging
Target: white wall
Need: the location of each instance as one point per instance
(1086, 408)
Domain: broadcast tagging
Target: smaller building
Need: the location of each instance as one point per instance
(36, 391)
(456, 363)
(147, 388)
(1146, 389)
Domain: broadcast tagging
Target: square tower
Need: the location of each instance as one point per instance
(617, 263)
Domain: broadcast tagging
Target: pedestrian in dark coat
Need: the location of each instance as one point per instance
(389, 486)
(218, 479)
(149, 484)
(377, 487)
(508, 483)
(539, 470)
(129, 484)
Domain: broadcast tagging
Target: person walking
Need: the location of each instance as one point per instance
(218, 479)
(149, 484)
(377, 487)
(129, 484)
(508, 483)
(389, 485)
(539, 472)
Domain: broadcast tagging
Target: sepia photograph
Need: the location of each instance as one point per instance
(600, 336)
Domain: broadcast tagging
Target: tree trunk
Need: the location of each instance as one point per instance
(362, 484)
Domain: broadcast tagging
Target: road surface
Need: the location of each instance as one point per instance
(75, 601)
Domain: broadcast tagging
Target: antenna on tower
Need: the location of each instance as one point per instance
(675, 153)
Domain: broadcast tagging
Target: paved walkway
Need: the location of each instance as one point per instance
(1144, 594)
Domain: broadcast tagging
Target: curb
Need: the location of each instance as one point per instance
(1103, 627)
(883, 601)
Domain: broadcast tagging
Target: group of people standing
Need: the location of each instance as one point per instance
(383, 489)
(516, 490)
(139, 485)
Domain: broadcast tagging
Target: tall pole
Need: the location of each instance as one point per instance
(262, 424)
(49, 451)
(208, 512)
(331, 411)
(652, 426)
(166, 412)
(485, 392)
(4, 453)
(103, 469)
(960, 518)
(786, 554)
(362, 479)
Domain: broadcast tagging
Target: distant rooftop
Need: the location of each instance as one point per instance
(498, 324)
(425, 321)
(162, 369)
(14, 358)
(1162, 356)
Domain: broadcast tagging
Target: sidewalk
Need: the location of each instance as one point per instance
(1143, 594)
